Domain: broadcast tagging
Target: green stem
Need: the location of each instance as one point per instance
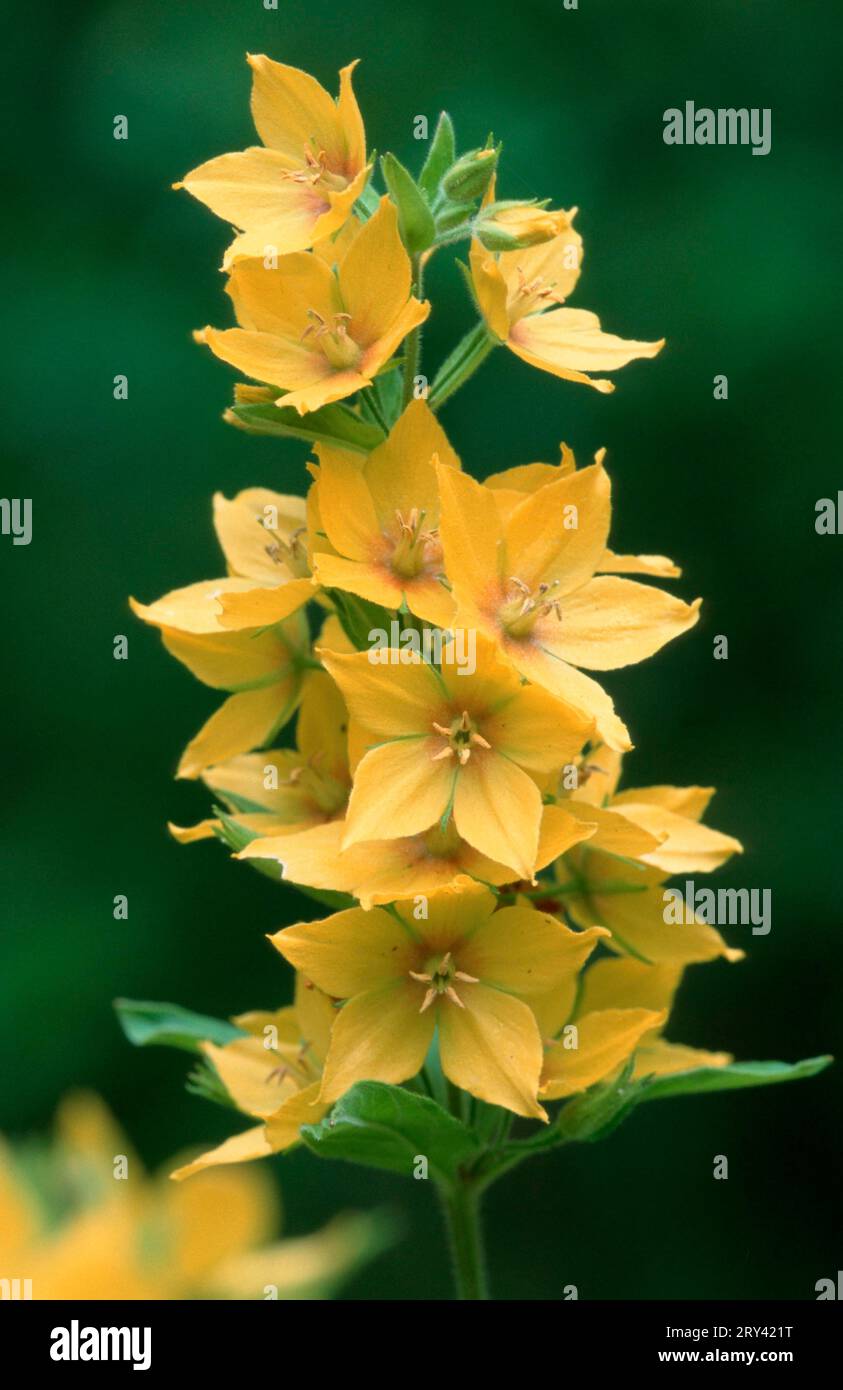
(462, 363)
(462, 1215)
(412, 346)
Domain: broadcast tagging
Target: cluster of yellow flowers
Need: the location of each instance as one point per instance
(461, 797)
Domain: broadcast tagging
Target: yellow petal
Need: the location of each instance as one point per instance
(636, 919)
(275, 299)
(399, 789)
(492, 1049)
(570, 343)
(242, 722)
(612, 622)
(291, 110)
(538, 545)
(246, 1068)
(472, 535)
(301, 1108)
(264, 607)
(378, 1036)
(662, 1058)
(628, 984)
(490, 289)
(526, 952)
(542, 665)
(349, 952)
(656, 566)
(294, 366)
(614, 834)
(603, 765)
(497, 809)
(557, 262)
(535, 732)
(683, 801)
(246, 526)
(240, 1148)
(375, 276)
(388, 700)
(400, 473)
(604, 1041)
(689, 847)
(346, 506)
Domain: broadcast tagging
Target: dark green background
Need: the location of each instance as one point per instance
(735, 259)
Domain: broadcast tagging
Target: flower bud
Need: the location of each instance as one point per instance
(512, 226)
(470, 176)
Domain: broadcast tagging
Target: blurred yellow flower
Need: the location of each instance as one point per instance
(82, 1220)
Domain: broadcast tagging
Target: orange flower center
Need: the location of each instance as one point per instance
(530, 296)
(316, 171)
(461, 738)
(333, 340)
(416, 549)
(439, 974)
(523, 606)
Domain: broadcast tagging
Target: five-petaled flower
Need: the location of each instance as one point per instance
(463, 972)
(302, 186)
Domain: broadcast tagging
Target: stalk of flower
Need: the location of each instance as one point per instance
(446, 743)
(302, 185)
(316, 332)
(463, 972)
(529, 582)
(381, 519)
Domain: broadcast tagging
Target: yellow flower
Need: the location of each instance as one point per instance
(643, 836)
(317, 333)
(529, 581)
(380, 518)
(262, 667)
(449, 743)
(462, 969)
(136, 1237)
(628, 985)
(384, 871)
(303, 185)
(286, 790)
(515, 291)
(273, 1076)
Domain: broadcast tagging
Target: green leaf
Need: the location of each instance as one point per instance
(330, 424)
(440, 156)
(358, 617)
(415, 220)
(731, 1078)
(168, 1025)
(388, 1127)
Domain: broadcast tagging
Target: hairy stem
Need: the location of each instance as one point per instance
(462, 1215)
(412, 347)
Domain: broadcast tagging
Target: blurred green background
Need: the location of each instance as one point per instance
(731, 257)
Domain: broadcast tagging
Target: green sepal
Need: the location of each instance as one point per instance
(415, 220)
(440, 156)
(389, 1127)
(168, 1025)
(330, 424)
